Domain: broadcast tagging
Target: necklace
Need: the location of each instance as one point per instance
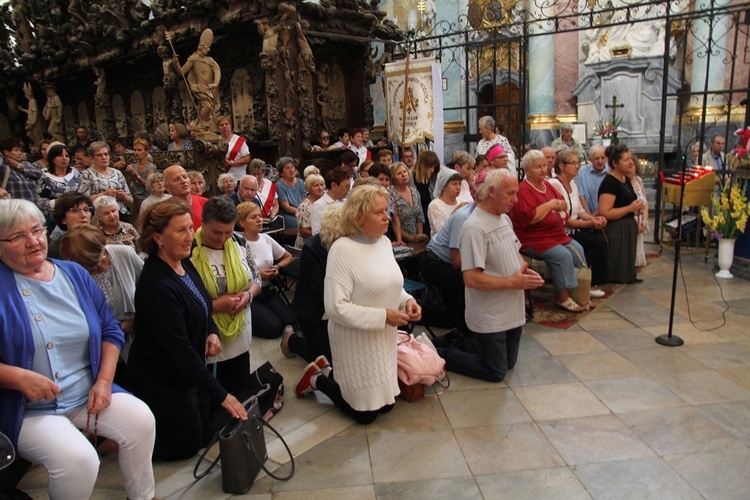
(544, 190)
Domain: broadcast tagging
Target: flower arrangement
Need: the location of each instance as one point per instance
(730, 214)
(607, 130)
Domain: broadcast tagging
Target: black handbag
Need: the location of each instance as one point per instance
(7, 452)
(242, 451)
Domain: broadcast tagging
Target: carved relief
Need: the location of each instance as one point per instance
(137, 112)
(118, 109)
(242, 101)
(101, 98)
(100, 117)
(323, 96)
(337, 99)
(83, 115)
(160, 120)
(70, 124)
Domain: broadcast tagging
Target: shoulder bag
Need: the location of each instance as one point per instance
(242, 451)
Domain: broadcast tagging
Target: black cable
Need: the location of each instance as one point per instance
(687, 299)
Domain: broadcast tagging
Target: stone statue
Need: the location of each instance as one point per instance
(203, 76)
(101, 98)
(34, 126)
(305, 51)
(52, 112)
(170, 75)
(269, 54)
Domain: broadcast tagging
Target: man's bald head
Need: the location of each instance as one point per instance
(549, 156)
(248, 188)
(176, 181)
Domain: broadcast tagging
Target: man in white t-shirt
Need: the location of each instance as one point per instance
(495, 276)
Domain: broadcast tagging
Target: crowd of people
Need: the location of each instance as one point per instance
(155, 351)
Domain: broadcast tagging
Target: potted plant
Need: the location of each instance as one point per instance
(730, 213)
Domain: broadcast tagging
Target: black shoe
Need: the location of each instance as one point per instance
(638, 280)
(444, 342)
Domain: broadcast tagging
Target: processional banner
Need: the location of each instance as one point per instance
(421, 99)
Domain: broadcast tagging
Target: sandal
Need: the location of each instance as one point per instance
(288, 332)
(569, 305)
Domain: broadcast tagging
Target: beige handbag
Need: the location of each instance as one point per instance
(581, 293)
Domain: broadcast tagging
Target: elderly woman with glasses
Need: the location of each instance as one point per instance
(58, 364)
(155, 186)
(100, 179)
(586, 229)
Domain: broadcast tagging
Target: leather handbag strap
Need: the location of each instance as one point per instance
(261, 461)
(211, 466)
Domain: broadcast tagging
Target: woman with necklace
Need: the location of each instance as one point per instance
(586, 229)
(539, 222)
(408, 206)
(174, 335)
(142, 169)
(618, 202)
(100, 179)
(60, 178)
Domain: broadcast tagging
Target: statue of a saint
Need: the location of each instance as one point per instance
(203, 76)
(53, 113)
(34, 127)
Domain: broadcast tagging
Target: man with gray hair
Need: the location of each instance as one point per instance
(490, 138)
(590, 177)
(495, 277)
(567, 141)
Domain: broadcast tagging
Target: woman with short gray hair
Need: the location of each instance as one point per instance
(291, 190)
(227, 184)
(155, 186)
(100, 179)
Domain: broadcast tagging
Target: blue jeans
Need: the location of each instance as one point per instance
(561, 262)
(489, 356)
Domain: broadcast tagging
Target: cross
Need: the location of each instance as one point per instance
(421, 7)
(614, 107)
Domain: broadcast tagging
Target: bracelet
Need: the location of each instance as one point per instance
(250, 301)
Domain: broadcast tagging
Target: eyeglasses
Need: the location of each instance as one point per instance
(81, 210)
(102, 155)
(572, 163)
(503, 157)
(324, 137)
(20, 238)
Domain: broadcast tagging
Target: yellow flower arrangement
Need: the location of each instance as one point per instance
(730, 214)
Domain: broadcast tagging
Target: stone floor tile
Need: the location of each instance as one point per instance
(636, 479)
(715, 474)
(507, 448)
(703, 387)
(678, 430)
(664, 359)
(483, 407)
(688, 333)
(423, 415)
(554, 401)
(542, 369)
(308, 435)
(626, 339)
(719, 356)
(461, 382)
(349, 492)
(461, 488)
(416, 456)
(604, 320)
(570, 343)
(640, 310)
(733, 417)
(549, 484)
(740, 375)
(595, 365)
(335, 463)
(633, 394)
(594, 439)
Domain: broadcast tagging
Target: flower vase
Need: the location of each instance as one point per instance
(606, 142)
(726, 256)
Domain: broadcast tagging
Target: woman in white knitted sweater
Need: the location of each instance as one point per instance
(365, 302)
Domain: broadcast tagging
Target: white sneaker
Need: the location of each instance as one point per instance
(597, 294)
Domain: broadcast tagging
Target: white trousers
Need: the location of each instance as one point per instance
(56, 442)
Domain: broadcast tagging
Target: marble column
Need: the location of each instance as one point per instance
(708, 68)
(541, 71)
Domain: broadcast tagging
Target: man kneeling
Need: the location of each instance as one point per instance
(495, 276)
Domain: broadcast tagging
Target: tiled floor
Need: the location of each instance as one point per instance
(598, 411)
